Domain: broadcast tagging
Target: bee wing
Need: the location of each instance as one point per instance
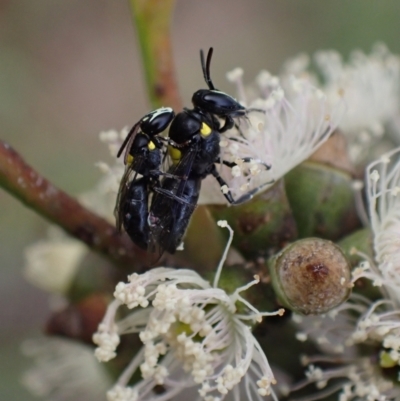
(166, 206)
(162, 217)
(129, 176)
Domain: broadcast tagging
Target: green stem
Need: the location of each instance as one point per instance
(153, 19)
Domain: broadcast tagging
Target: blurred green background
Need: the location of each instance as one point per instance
(70, 69)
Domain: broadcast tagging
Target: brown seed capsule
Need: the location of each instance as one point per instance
(311, 276)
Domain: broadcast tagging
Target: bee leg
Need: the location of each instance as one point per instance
(228, 195)
(244, 160)
(237, 126)
(175, 144)
(158, 173)
(229, 123)
(256, 110)
(246, 118)
(258, 161)
(171, 195)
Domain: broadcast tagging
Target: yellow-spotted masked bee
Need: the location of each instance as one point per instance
(194, 138)
(195, 150)
(143, 159)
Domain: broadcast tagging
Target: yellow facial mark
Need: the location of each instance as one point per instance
(129, 159)
(175, 154)
(151, 145)
(205, 129)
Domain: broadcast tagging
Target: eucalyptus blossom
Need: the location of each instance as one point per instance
(195, 337)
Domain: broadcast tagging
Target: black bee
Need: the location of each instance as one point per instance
(195, 150)
(143, 156)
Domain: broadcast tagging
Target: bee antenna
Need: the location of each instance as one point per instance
(129, 138)
(206, 67)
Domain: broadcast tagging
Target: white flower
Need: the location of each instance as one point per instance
(285, 124)
(64, 370)
(383, 185)
(101, 199)
(369, 84)
(195, 336)
(114, 139)
(345, 371)
(355, 378)
(382, 319)
(51, 264)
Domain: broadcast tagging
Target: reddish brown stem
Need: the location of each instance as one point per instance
(36, 192)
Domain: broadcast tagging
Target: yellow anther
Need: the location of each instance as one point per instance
(386, 361)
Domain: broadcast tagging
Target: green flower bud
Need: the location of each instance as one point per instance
(311, 276)
(357, 244)
(322, 200)
(358, 247)
(94, 274)
(386, 361)
(196, 241)
(263, 225)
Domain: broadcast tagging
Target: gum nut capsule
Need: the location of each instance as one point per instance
(311, 276)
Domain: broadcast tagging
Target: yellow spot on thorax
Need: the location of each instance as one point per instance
(175, 154)
(129, 159)
(151, 145)
(205, 129)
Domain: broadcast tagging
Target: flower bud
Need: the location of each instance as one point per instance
(356, 245)
(195, 242)
(263, 225)
(311, 276)
(322, 200)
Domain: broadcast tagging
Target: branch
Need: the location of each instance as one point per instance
(152, 19)
(21, 181)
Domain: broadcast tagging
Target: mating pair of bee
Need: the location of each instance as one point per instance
(159, 224)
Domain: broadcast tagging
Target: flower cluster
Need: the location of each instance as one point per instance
(287, 121)
(194, 335)
(369, 84)
(57, 250)
(64, 370)
(375, 324)
(196, 339)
